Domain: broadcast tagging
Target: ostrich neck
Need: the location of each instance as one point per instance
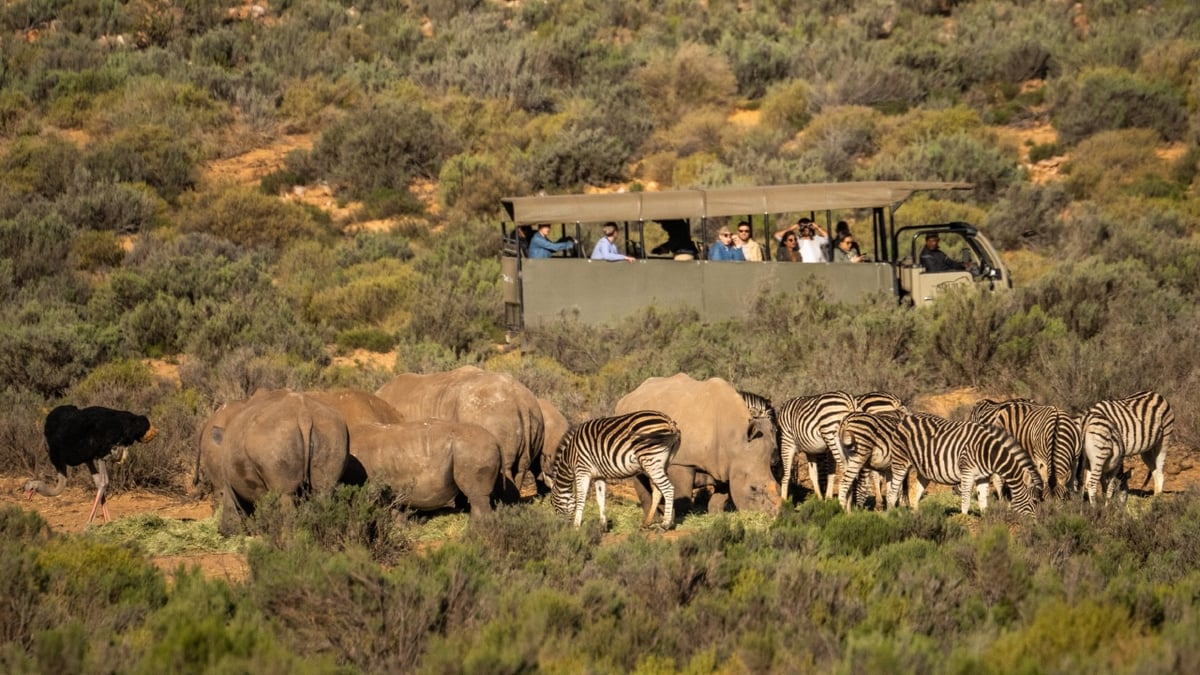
(46, 491)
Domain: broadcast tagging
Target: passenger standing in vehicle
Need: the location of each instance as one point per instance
(811, 239)
(847, 251)
(606, 248)
(541, 246)
(933, 259)
(723, 249)
(751, 250)
(788, 250)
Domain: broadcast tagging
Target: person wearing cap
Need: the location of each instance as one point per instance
(723, 249)
(934, 259)
(606, 248)
(541, 246)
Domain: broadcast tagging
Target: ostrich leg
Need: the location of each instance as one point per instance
(100, 478)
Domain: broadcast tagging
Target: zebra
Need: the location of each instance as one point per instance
(878, 401)
(870, 402)
(1141, 424)
(964, 454)
(868, 440)
(1049, 434)
(615, 447)
(758, 405)
(809, 424)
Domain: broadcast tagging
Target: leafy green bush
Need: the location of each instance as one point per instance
(370, 339)
(689, 78)
(39, 166)
(154, 154)
(953, 157)
(384, 146)
(1042, 151)
(1128, 101)
(94, 250)
(251, 219)
(1110, 164)
(1028, 214)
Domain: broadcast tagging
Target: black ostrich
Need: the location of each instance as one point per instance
(89, 436)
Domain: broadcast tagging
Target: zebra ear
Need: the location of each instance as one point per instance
(753, 430)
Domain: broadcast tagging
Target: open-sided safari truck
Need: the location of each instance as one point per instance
(668, 232)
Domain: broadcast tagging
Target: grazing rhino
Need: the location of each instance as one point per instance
(495, 401)
(357, 407)
(430, 463)
(719, 439)
(275, 441)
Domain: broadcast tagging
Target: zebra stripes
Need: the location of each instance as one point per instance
(965, 455)
(758, 405)
(609, 448)
(809, 424)
(878, 401)
(1048, 434)
(1141, 424)
(868, 441)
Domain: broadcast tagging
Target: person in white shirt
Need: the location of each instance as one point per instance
(813, 239)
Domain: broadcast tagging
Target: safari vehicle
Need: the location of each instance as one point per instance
(597, 292)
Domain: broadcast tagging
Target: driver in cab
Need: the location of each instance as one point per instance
(934, 259)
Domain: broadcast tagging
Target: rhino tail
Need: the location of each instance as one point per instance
(307, 439)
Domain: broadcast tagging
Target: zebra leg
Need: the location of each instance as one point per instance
(601, 488)
(582, 482)
(917, 491)
(1155, 459)
(895, 485)
(787, 455)
(661, 488)
(983, 497)
(966, 486)
(813, 475)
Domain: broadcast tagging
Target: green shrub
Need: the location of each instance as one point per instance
(94, 250)
(370, 339)
(47, 351)
(376, 293)
(384, 146)
(758, 62)
(1113, 163)
(251, 219)
(953, 157)
(1128, 101)
(1042, 151)
(154, 154)
(1028, 215)
(99, 584)
(39, 166)
(689, 78)
(15, 106)
(841, 137)
(786, 106)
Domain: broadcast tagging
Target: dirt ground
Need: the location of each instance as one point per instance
(68, 511)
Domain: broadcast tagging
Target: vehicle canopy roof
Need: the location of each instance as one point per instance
(714, 202)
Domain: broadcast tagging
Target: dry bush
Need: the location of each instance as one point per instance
(1114, 163)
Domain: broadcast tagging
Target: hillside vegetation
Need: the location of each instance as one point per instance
(120, 249)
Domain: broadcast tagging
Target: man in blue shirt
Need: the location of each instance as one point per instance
(723, 248)
(606, 248)
(541, 246)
